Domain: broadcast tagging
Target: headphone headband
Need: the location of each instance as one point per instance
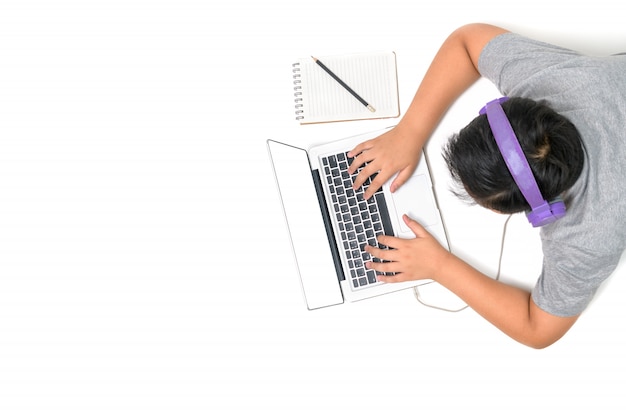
(541, 212)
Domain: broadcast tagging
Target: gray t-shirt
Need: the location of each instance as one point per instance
(582, 249)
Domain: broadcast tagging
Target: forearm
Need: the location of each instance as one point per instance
(452, 71)
(504, 306)
(449, 75)
(509, 308)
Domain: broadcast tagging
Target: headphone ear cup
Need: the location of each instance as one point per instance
(546, 213)
(558, 208)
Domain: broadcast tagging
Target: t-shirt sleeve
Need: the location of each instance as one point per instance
(514, 63)
(570, 277)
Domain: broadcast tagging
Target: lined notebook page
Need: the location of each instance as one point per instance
(320, 98)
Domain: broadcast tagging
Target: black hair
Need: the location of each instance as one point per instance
(549, 140)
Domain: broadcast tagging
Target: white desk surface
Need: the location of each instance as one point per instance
(144, 264)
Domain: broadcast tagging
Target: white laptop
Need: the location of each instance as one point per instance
(329, 222)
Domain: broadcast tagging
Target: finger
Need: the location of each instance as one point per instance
(356, 164)
(402, 177)
(397, 277)
(374, 186)
(362, 176)
(360, 148)
(360, 160)
(389, 241)
(381, 267)
(415, 227)
(377, 252)
(388, 255)
(386, 271)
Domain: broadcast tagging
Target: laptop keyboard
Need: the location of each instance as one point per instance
(360, 221)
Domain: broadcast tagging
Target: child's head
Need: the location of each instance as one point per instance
(550, 142)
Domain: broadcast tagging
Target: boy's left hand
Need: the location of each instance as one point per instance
(411, 259)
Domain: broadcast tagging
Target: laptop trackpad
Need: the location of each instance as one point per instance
(415, 198)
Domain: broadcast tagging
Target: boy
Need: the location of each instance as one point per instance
(569, 113)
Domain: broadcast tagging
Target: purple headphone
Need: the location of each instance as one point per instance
(541, 211)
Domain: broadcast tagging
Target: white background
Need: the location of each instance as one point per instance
(144, 264)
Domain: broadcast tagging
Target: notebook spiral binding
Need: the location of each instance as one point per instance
(297, 93)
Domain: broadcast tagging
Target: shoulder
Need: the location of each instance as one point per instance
(475, 36)
(510, 45)
(512, 60)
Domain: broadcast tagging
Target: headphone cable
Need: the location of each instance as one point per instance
(416, 292)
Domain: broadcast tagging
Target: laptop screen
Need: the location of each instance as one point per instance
(306, 225)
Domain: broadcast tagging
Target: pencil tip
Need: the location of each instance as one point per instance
(314, 59)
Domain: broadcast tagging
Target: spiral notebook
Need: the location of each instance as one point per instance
(322, 98)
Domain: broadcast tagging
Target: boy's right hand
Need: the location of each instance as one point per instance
(395, 151)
